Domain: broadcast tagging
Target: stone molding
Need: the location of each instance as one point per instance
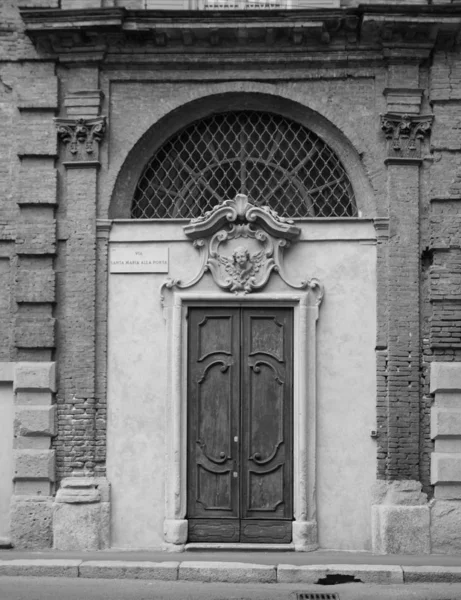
(403, 100)
(83, 104)
(81, 138)
(368, 28)
(405, 133)
(103, 227)
(381, 225)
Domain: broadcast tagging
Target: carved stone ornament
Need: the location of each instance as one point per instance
(405, 133)
(241, 244)
(81, 138)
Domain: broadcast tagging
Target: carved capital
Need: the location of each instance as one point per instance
(81, 138)
(405, 133)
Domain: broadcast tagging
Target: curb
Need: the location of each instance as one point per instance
(226, 572)
(364, 573)
(432, 574)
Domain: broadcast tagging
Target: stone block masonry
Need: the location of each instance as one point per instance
(34, 460)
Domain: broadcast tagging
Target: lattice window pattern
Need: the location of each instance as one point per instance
(275, 161)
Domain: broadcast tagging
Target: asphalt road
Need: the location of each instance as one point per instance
(49, 588)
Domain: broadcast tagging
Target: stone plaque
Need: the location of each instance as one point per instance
(138, 258)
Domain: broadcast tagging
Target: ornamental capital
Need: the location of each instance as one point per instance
(81, 138)
(405, 134)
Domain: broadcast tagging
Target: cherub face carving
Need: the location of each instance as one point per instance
(241, 256)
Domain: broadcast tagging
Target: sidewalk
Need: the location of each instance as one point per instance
(234, 566)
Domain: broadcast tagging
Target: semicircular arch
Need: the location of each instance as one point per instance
(178, 119)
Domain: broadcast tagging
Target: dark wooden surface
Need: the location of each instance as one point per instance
(240, 425)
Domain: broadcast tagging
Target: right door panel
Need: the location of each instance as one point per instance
(266, 412)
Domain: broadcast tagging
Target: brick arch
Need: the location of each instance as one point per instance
(202, 107)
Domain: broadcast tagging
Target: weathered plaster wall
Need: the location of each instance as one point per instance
(138, 381)
(6, 455)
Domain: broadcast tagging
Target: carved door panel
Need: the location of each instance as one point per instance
(240, 425)
(213, 421)
(266, 372)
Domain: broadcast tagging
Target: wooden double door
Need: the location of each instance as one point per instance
(240, 425)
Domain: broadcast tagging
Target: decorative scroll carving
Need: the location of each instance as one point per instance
(241, 244)
(81, 138)
(405, 133)
(241, 209)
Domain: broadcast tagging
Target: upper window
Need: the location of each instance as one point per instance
(273, 160)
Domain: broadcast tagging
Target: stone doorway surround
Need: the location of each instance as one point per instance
(306, 311)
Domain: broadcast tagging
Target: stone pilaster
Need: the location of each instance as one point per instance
(400, 514)
(81, 139)
(405, 134)
(81, 509)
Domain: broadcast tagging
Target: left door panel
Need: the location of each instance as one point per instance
(213, 416)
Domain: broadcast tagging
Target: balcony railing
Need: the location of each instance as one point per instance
(245, 4)
(230, 4)
(260, 4)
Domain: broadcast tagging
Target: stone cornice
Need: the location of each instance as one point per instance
(395, 31)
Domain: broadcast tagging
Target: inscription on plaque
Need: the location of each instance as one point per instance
(138, 258)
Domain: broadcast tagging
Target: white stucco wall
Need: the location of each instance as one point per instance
(6, 455)
(343, 256)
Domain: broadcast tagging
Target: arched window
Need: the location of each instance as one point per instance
(273, 160)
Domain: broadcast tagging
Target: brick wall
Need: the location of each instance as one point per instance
(440, 242)
(52, 279)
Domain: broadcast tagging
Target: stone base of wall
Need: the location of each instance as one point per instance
(403, 522)
(81, 514)
(31, 507)
(31, 522)
(400, 518)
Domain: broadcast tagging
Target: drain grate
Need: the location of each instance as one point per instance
(316, 596)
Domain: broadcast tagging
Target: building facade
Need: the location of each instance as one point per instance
(230, 274)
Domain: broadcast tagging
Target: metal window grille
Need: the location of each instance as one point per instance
(273, 160)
